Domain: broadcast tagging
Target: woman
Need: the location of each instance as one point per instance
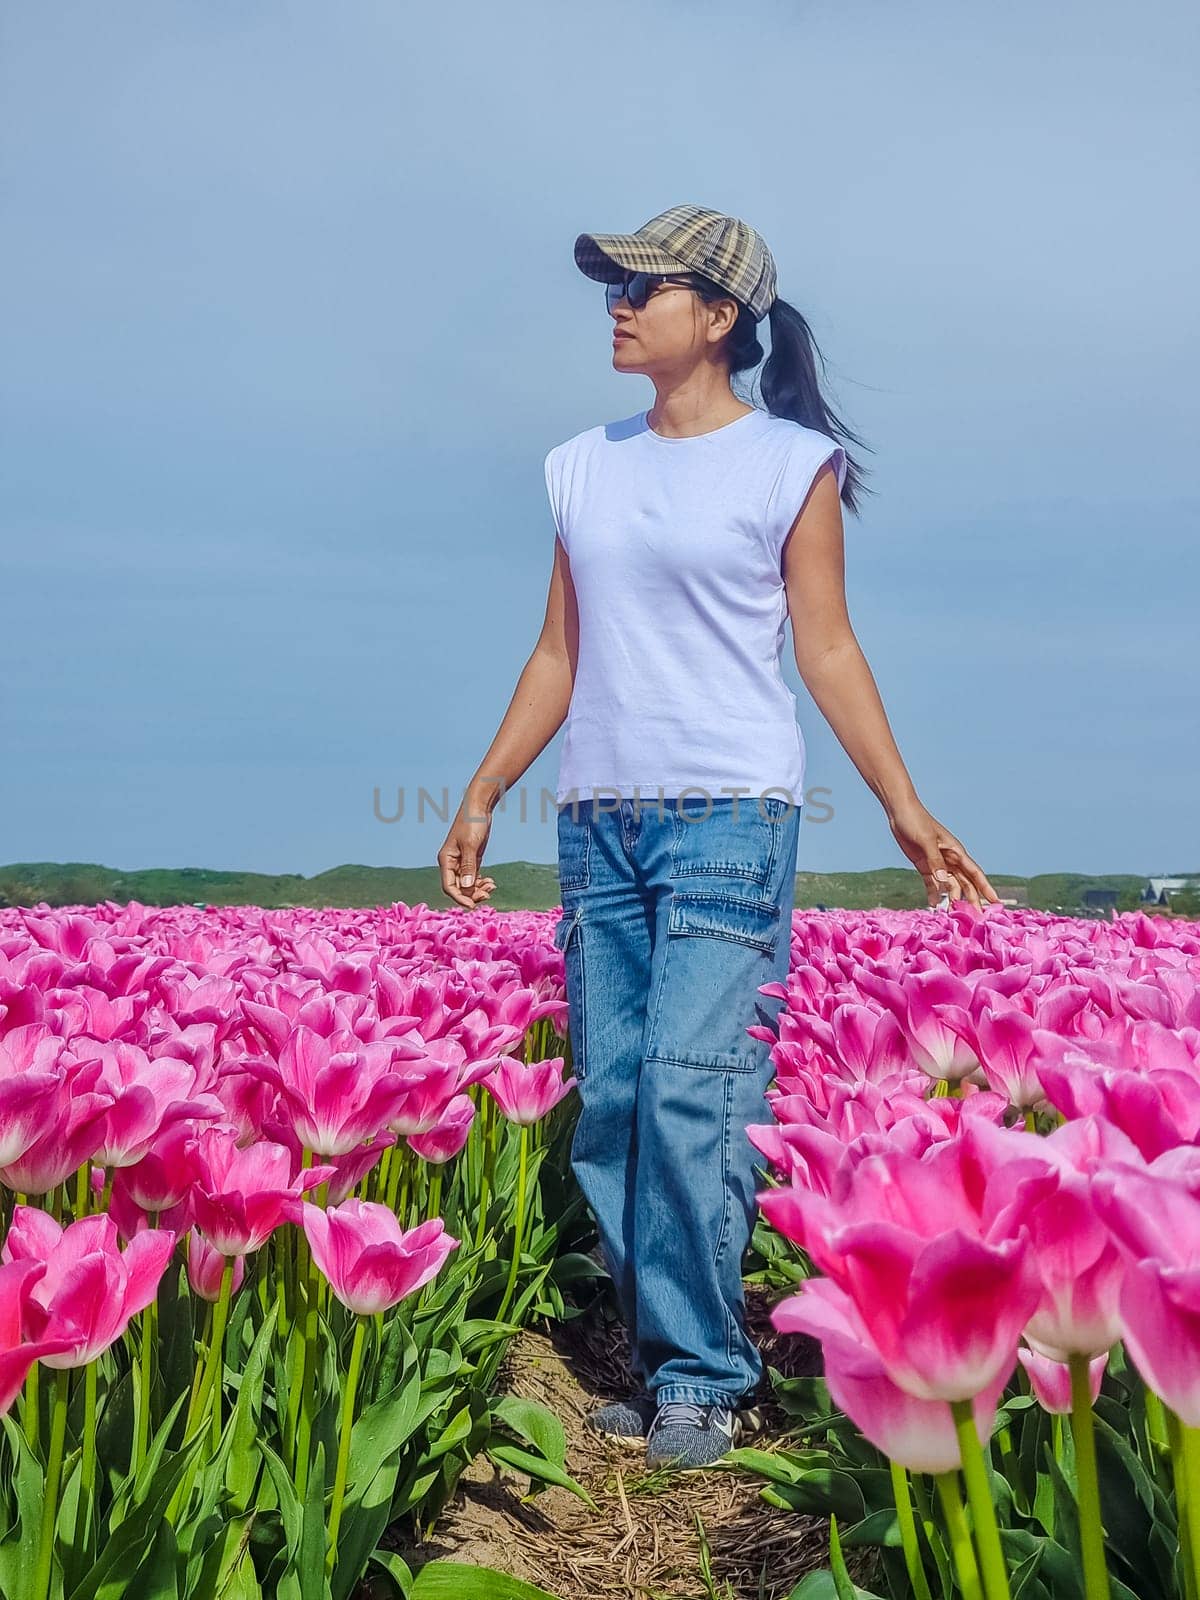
(686, 535)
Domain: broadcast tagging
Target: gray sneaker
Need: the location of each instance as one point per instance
(623, 1421)
(685, 1434)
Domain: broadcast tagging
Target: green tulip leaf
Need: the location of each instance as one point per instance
(534, 1423)
(397, 1569)
(124, 1550)
(823, 1586)
(452, 1580)
(537, 1467)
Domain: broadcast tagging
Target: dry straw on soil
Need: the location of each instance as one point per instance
(644, 1543)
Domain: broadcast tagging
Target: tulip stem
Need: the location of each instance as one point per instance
(280, 1271)
(141, 1441)
(343, 1456)
(87, 1465)
(1173, 1430)
(979, 1495)
(58, 1435)
(961, 1547)
(216, 1356)
(83, 1179)
(295, 1368)
(1185, 1451)
(211, 1378)
(434, 1202)
(519, 1228)
(933, 1534)
(308, 1378)
(32, 1408)
(1091, 1528)
(485, 1179)
(383, 1173)
(198, 1371)
(394, 1176)
(1158, 1444)
(432, 1207)
(908, 1532)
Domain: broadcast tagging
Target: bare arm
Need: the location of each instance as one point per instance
(836, 674)
(535, 713)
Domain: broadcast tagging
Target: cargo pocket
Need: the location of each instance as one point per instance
(574, 850)
(720, 946)
(568, 940)
(718, 846)
(722, 915)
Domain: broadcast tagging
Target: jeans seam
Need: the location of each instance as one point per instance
(676, 824)
(773, 829)
(698, 1066)
(729, 936)
(582, 879)
(699, 1394)
(723, 1232)
(578, 1045)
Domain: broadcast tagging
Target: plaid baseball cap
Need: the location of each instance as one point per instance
(687, 239)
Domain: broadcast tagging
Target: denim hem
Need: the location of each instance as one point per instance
(699, 1395)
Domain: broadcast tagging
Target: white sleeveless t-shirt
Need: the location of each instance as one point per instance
(675, 551)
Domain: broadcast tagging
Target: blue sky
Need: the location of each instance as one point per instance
(291, 318)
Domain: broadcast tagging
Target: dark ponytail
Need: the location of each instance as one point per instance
(789, 383)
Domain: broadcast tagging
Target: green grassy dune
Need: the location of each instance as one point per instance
(520, 885)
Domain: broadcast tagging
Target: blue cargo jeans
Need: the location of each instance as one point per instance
(674, 912)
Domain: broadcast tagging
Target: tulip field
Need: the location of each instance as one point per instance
(278, 1188)
(275, 1192)
(984, 1150)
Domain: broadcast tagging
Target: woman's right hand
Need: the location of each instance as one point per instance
(459, 860)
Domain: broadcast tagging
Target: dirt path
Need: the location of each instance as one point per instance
(645, 1543)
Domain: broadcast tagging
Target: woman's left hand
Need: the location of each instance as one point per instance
(940, 858)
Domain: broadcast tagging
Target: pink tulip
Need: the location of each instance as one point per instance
(339, 1092)
(29, 1071)
(917, 1434)
(166, 1171)
(933, 1009)
(249, 1100)
(71, 1116)
(430, 1087)
(1154, 1215)
(350, 1170)
(90, 1288)
(806, 1154)
(131, 1219)
(943, 1296)
(443, 1142)
(242, 1196)
(206, 1266)
(1007, 1049)
(1051, 1380)
(18, 1354)
(149, 1094)
(526, 1092)
(1045, 1187)
(370, 1261)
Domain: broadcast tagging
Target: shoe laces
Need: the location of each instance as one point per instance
(688, 1412)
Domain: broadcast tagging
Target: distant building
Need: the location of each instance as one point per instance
(1099, 899)
(1158, 891)
(1014, 894)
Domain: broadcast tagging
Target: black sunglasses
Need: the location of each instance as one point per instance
(637, 287)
